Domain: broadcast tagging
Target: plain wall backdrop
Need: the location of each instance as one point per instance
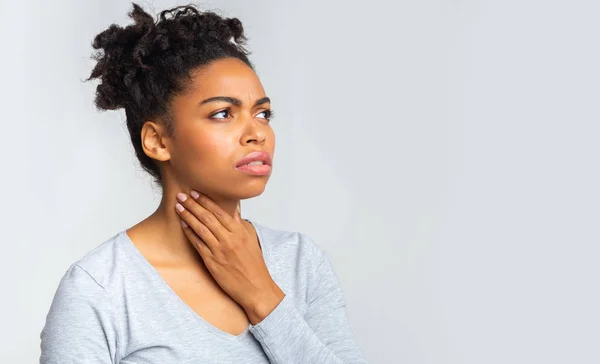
(443, 153)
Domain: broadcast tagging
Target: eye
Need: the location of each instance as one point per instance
(226, 111)
(269, 114)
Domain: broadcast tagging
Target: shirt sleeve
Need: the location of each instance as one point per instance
(323, 335)
(81, 324)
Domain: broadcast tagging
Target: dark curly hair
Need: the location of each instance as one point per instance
(142, 66)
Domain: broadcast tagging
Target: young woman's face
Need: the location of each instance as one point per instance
(211, 136)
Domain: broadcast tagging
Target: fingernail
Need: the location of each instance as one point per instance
(183, 224)
(194, 194)
(181, 197)
(179, 207)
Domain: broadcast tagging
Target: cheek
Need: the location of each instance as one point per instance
(272, 138)
(207, 150)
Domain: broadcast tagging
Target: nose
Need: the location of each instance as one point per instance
(254, 132)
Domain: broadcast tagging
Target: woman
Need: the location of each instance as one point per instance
(194, 282)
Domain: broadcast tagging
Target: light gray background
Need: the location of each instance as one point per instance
(443, 153)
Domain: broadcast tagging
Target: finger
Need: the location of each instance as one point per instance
(220, 215)
(197, 227)
(203, 215)
(198, 243)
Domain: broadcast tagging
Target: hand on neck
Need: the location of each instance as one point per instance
(163, 231)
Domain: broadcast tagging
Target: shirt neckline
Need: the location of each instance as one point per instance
(175, 297)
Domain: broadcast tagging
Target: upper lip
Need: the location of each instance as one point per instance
(255, 156)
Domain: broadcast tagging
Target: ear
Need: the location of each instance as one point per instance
(154, 141)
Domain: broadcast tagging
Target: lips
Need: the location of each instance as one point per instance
(255, 156)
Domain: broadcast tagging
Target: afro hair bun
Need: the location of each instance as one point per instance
(127, 56)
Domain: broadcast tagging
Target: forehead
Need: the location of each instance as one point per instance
(227, 77)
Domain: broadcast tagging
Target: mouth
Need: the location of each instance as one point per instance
(256, 163)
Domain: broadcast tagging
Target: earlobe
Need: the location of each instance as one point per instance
(152, 142)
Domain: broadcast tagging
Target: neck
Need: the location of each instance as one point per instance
(163, 228)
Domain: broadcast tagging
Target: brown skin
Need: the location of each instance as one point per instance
(215, 265)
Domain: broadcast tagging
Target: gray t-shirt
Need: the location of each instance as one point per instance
(112, 306)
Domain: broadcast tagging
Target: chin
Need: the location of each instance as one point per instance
(250, 194)
(251, 190)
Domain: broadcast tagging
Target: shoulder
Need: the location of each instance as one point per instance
(298, 252)
(104, 263)
(288, 242)
(82, 318)
(323, 284)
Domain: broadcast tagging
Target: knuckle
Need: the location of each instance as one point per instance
(228, 247)
(220, 259)
(203, 229)
(225, 248)
(210, 219)
(185, 213)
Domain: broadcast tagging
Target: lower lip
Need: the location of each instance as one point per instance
(258, 170)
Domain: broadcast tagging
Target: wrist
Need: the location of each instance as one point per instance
(264, 304)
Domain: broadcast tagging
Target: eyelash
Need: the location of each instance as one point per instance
(270, 114)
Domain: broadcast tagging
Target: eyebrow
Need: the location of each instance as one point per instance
(233, 100)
